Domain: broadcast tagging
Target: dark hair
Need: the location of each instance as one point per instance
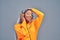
(24, 14)
(26, 11)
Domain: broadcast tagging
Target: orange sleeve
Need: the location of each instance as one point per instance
(16, 27)
(18, 31)
(39, 18)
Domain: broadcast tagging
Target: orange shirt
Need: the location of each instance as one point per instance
(29, 31)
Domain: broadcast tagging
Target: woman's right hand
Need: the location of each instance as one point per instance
(22, 17)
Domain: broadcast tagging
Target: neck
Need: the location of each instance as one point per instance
(28, 21)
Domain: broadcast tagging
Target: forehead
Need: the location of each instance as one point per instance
(29, 11)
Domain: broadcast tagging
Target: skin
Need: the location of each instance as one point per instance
(27, 16)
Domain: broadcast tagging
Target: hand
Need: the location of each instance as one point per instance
(22, 17)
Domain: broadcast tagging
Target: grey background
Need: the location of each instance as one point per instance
(9, 12)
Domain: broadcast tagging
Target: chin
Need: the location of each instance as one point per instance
(27, 19)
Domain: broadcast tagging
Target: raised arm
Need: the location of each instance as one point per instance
(39, 18)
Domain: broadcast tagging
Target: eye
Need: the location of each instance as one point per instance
(28, 14)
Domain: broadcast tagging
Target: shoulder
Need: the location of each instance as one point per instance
(16, 25)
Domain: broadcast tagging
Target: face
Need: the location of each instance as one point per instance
(28, 15)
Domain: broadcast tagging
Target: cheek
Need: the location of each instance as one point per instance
(31, 17)
(28, 17)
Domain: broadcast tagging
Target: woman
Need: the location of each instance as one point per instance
(27, 28)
